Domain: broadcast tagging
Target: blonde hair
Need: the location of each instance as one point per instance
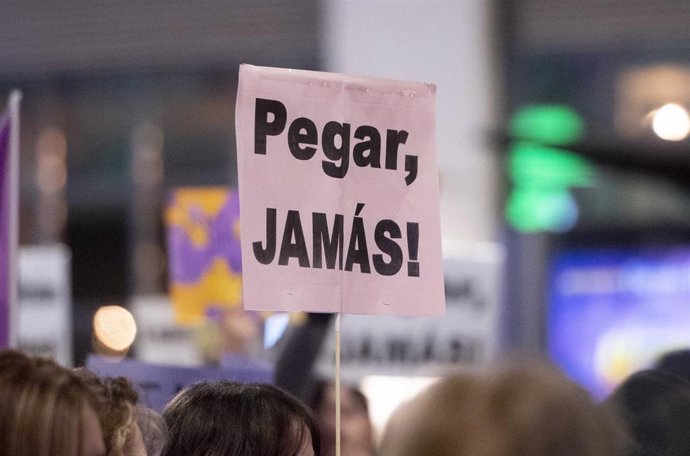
(116, 410)
(525, 410)
(43, 407)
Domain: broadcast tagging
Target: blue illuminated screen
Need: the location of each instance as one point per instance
(613, 312)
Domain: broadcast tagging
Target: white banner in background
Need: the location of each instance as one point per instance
(159, 338)
(466, 336)
(45, 306)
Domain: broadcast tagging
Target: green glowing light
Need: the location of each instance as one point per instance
(547, 124)
(533, 164)
(542, 172)
(535, 209)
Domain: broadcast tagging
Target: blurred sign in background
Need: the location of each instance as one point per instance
(45, 302)
(137, 100)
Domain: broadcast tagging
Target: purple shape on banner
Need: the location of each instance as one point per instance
(223, 237)
(190, 262)
(4, 233)
(159, 383)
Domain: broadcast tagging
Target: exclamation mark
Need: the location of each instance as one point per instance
(413, 248)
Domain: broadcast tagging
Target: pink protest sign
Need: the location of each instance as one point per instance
(339, 203)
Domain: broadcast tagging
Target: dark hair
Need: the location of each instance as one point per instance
(677, 361)
(318, 395)
(655, 405)
(226, 418)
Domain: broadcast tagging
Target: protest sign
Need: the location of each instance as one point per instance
(158, 383)
(45, 297)
(160, 338)
(338, 193)
(466, 336)
(204, 251)
(9, 214)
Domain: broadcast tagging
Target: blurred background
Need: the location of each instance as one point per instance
(562, 150)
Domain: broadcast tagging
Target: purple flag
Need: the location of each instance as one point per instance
(5, 263)
(9, 215)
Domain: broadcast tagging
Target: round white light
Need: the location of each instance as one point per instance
(671, 122)
(114, 327)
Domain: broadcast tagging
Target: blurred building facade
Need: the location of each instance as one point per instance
(123, 101)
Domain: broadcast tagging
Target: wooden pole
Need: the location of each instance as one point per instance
(337, 385)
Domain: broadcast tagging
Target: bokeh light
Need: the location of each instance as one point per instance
(114, 327)
(671, 122)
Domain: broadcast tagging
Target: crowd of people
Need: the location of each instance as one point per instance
(525, 409)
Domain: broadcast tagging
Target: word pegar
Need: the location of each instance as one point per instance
(270, 119)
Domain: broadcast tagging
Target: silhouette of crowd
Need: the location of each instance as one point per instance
(520, 409)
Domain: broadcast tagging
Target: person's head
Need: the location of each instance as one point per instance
(655, 405)
(117, 401)
(677, 361)
(153, 430)
(45, 410)
(226, 418)
(522, 411)
(355, 424)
